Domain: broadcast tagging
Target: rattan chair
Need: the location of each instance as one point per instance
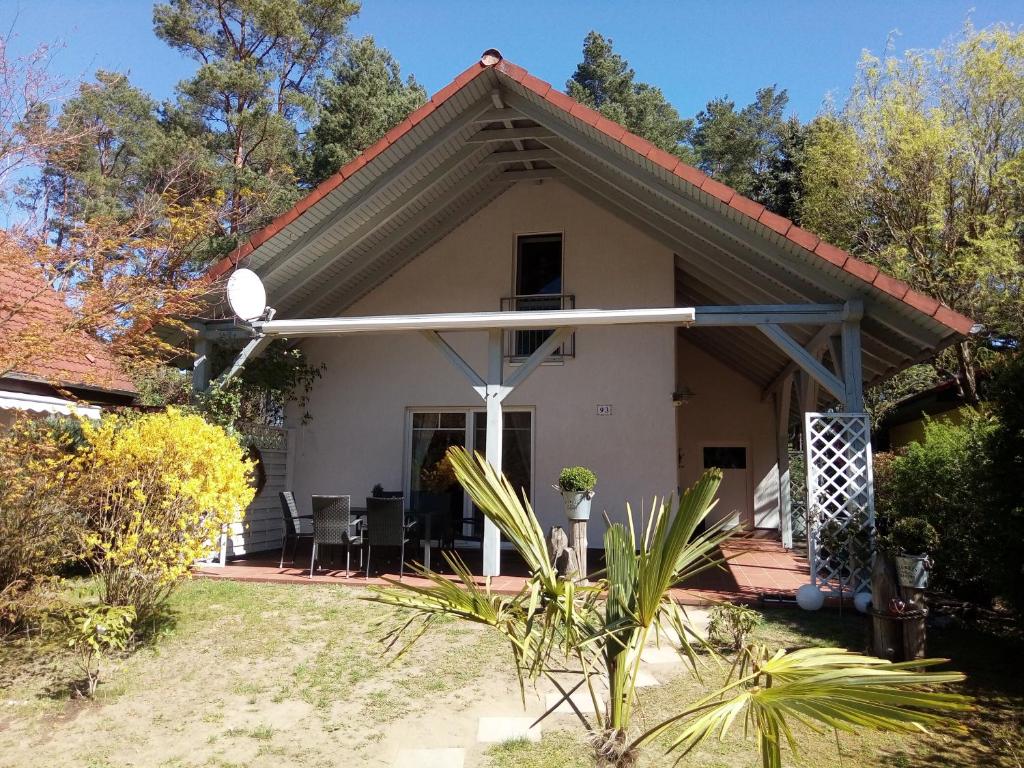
(334, 524)
(292, 527)
(386, 526)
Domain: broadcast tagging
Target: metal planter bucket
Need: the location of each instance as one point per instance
(577, 505)
(912, 571)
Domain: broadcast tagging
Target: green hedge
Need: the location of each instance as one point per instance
(967, 480)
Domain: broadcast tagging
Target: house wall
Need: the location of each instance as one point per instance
(727, 409)
(357, 435)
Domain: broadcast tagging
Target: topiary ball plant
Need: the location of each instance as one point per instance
(576, 480)
(910, 536)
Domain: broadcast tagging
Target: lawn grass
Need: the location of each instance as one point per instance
(996, 738)
(268, 675)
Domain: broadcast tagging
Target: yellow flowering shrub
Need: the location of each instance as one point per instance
(39, 530)
(156, 490)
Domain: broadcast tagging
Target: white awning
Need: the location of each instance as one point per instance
(22, 401)
(475, 321)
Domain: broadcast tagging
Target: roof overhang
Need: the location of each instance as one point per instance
(497, 126)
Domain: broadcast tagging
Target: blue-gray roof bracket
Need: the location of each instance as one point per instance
(805, 360)
(252, 349)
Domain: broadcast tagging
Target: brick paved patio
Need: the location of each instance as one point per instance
(756, 570)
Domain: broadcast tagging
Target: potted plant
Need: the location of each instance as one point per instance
(909, 541)
(576, 484)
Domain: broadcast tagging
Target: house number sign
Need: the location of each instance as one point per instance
(604, 410)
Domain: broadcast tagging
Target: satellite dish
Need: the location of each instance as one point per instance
(246, 294)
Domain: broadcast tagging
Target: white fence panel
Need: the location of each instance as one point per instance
(840, 500)
(261, 527)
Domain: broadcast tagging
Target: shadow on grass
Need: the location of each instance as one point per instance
(995, 678)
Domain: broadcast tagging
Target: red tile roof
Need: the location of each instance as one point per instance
(771, 222)
(32, 314)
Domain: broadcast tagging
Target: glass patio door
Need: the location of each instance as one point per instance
(516, 451)
(431, 482)
(432, 485)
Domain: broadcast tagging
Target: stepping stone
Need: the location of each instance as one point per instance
(445, 757)
(581, 699)
(645, 679)
(494, 730)
(662, 655)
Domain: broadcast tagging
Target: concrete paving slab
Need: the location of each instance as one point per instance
(660, 655)
(645, 679)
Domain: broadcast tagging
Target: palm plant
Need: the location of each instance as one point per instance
(594, 635)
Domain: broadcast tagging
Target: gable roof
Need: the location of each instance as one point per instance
(30, 308)
(454, 155)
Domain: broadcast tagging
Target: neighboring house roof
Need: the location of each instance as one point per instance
(33, 314)
(442, 164)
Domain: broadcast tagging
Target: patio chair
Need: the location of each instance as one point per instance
(387, 526)
(334, 525)
(292, 527)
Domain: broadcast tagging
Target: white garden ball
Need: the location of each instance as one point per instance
(862, 601)
(809, 597)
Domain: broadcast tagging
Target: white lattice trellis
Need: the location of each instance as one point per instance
(840, 500)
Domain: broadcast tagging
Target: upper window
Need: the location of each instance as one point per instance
(538, 287)
(539, 265)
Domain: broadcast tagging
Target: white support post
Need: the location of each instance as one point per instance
(783, 399)
(495, 434)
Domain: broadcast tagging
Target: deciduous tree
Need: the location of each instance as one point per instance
(922, 173)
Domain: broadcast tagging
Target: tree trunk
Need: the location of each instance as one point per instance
(969, 383)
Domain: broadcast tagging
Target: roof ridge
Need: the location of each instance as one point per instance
(777, 224)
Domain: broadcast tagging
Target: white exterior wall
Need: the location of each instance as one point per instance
(358, 432)
(727, 409)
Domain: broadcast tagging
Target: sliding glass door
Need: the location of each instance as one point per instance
(431, 484)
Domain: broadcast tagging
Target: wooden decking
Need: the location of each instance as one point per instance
(757, 570)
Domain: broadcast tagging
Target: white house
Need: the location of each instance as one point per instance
(715, 325)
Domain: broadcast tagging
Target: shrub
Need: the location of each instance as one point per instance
(38, 529)
(1006, 556)
(157, 490)
(92, 632)
(577, 480)
(910, 536)
(946, 481)
(732, 623)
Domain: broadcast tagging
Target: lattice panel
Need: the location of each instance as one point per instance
(840, 500)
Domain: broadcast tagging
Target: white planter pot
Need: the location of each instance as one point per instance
(912, 570)
(577, 505)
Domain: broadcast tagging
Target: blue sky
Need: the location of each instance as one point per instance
(693, 50)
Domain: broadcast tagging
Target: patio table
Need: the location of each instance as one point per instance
(423, 517)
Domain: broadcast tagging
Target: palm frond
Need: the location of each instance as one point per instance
(829, 687)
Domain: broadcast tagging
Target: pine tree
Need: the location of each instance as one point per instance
(362, 98)
(605, 81)
(754, 150)
(259, 61)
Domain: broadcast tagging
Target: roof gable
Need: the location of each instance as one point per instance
(496, 125)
